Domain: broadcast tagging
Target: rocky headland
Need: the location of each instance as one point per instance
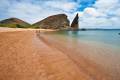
(59, 21)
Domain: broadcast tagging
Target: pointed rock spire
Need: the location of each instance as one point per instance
(75, 23)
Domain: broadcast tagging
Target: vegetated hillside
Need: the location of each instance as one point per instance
(14, 23)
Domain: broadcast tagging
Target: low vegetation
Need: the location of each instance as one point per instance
(15, 23)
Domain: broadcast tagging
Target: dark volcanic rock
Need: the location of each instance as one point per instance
(75, 24)
(59, 21)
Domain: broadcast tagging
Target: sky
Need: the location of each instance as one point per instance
(92, 13)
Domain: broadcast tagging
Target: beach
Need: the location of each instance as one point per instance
(30, 54)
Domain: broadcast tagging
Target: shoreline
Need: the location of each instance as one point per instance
(2, 29)
(32, 56)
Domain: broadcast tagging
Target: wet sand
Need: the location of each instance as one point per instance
(26, 55)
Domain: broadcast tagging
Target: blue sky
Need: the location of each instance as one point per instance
(92, 13)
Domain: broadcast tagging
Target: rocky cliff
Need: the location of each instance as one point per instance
(59, 21)
(75, 23)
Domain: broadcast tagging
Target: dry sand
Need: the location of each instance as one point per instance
(25, 55)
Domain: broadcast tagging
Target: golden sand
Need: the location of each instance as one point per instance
(25, 55)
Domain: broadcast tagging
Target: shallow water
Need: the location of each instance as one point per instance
(108, 37)
(99, 46)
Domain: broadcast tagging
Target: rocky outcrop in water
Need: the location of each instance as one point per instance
(59, 21)
(75, 23)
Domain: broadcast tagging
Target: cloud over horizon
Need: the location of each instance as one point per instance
(93, 13)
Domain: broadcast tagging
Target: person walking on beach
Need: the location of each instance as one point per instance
(39, 31)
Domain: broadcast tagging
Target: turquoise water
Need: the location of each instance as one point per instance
(110, 37)
(103, 47)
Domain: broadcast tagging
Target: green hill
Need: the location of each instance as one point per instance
(14, 23)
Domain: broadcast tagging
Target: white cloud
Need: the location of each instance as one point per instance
(4, 4)
(103, 14)
(106, 4)
(117, 12)
(92, 12)
(32, 12)
(25, 11)
(66, 6)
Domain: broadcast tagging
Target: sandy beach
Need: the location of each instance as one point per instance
(26, 55)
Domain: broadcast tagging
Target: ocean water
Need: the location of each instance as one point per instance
(100, 46)
(107, 37)
(105, 50)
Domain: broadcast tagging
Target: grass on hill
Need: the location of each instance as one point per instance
(19, 26)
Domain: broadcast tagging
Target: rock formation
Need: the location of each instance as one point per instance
(59, 21)
(75, 24)
(13, 23)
